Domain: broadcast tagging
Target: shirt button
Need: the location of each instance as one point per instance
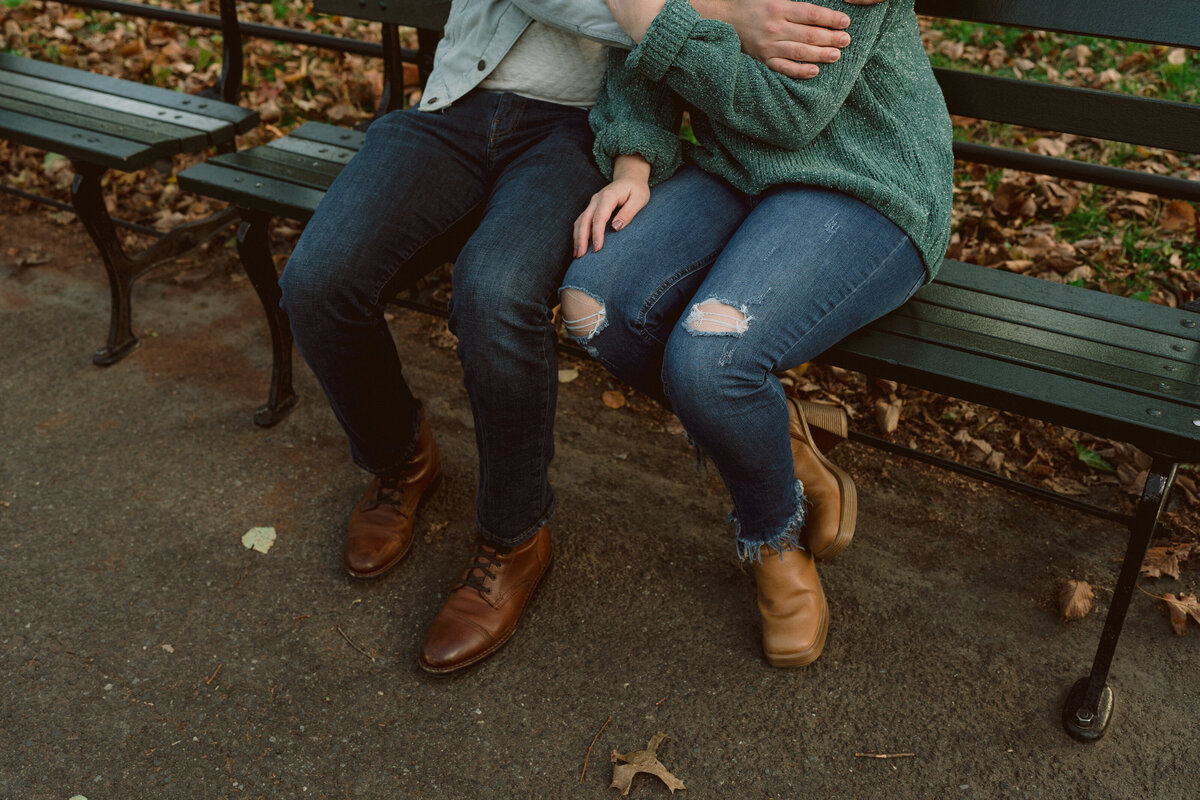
(482, 65)
(431, 100)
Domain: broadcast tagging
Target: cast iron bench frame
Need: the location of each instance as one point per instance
(103, 123)
(1110, 366)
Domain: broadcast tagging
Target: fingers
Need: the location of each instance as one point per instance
(792, 69)
(582, 231)
(604, 212)
(818, 16)
(629, 209)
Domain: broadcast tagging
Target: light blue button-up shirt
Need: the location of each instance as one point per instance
(479, 32)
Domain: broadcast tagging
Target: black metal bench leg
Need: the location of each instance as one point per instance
(254, 248)
(1089, 705)
(87, 198)
(88, 201)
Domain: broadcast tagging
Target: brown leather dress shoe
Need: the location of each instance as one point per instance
(486, 604)
(833, 500)
(380, 532)
(795, 615)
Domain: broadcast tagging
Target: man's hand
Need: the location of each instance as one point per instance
(790, 38)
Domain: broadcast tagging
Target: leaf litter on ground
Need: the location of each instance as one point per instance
(642, 761)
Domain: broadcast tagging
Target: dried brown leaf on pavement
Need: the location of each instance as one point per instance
(1181, 607)
(1075, 599)
(1165, 560)
(642, 761)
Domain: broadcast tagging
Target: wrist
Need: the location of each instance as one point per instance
(631, 167)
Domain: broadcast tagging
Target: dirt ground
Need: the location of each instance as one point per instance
(145, 653)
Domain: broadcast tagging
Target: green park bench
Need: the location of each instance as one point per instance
(102, 123)
(1111, 366)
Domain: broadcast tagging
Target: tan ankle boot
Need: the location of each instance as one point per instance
(795, 615)
(833, 500)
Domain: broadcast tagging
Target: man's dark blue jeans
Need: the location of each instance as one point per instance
(522, 166)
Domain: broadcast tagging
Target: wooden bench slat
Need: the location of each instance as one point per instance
(1079, 331)
(1010, 342)
(272, 196)
(1101, 410)
(1146, 316)
(242, 119)
(81, 115)
(1170, 22)
(429, 14)
(1086, 112)
(214, 129)
(335, 157)
(330, 134)
(81, 143)
(274, 163)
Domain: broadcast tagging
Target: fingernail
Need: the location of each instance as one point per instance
(844, 39)
(618, 224)
(812, 71)
(835, 54)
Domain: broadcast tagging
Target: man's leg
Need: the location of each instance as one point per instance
(416, 175)
(505, 285)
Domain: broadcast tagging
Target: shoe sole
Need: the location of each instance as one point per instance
(432, 670)
(805, 657)
(832, 419)
(433, 486)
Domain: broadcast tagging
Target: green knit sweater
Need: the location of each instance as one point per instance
(873, 125)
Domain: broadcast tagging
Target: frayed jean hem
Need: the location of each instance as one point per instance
(786, 539)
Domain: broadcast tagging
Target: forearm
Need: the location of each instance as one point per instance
(700, 61)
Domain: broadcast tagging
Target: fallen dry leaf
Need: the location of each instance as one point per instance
(1181, 607)
(567, 375)
(613, 399)
(1165, 560)
(1179, 216)
(1075, 600)
(642, 761)
(259, 539)
(887, 415)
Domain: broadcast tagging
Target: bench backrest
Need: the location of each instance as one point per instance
(1100, 114)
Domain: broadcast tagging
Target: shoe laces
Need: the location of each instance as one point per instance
(388, 493)
(479, 570)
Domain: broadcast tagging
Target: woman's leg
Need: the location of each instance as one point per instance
(807, 267)
(621, 303)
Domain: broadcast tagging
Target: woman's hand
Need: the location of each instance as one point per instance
(625, 197)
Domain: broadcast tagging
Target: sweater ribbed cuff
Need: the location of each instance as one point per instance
(665, 37)
(628, 138)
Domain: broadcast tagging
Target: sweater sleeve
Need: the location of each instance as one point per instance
(634, 115)
(701, 60)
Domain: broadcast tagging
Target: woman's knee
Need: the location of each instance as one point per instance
(707, 361)
(584, 315)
